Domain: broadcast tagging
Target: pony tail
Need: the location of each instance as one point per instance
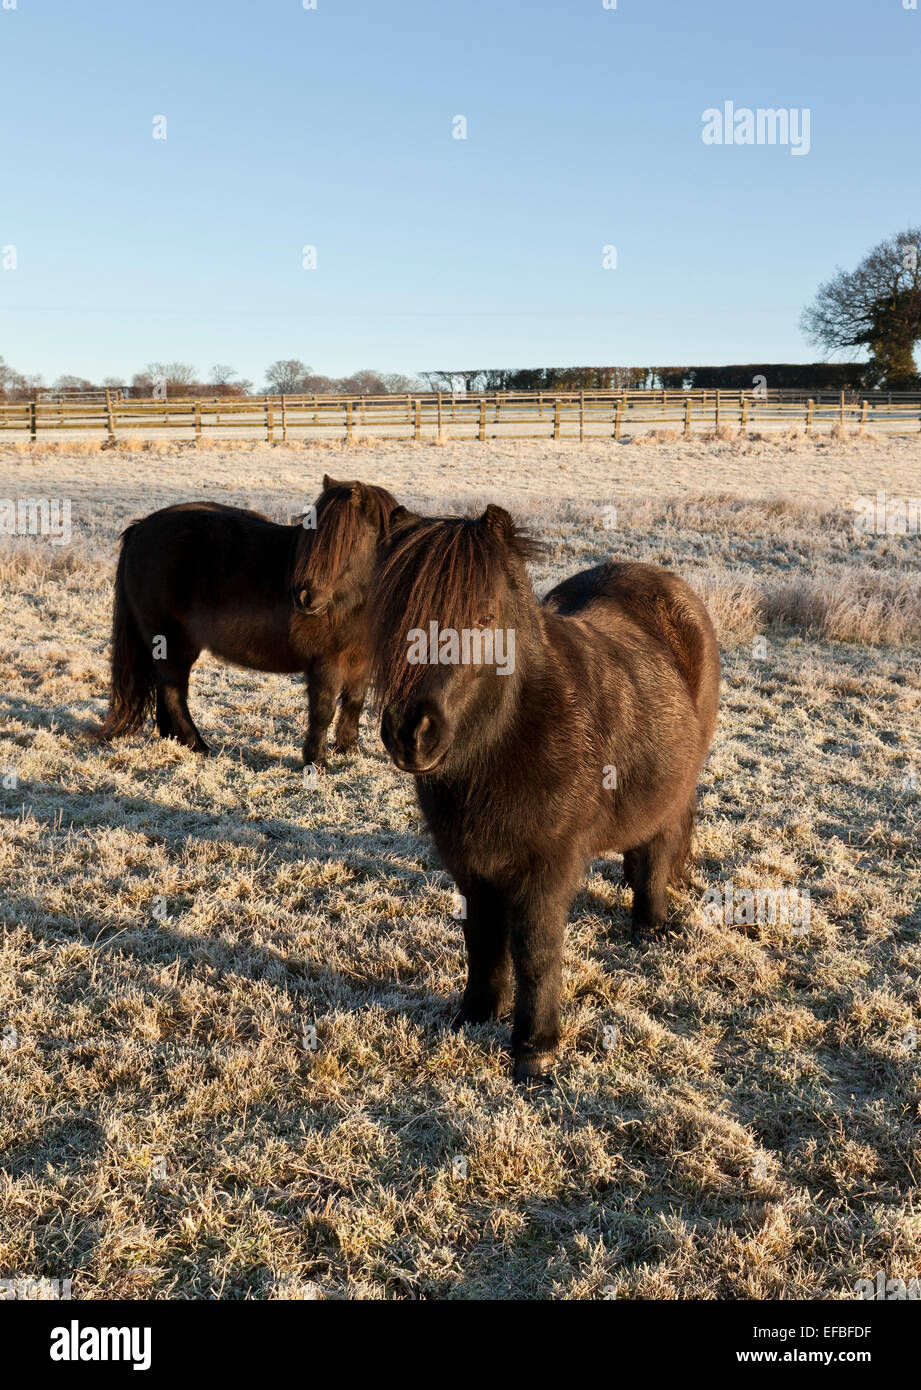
(133, 680)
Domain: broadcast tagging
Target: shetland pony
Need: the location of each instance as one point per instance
(590, 740)
(254, 593)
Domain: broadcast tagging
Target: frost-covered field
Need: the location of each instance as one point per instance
(754, 1132)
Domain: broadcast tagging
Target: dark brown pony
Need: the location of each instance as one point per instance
(593, 742)
(254, 593)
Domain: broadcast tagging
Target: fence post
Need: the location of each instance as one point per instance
(743, 416)
(810, 407)
(717, 425)
(687, 415)
(581, 417)
(863, 413)
(556, 418)
(33, 420)
(197, 421)
(417, 422)
(618, 409)
(110, 417)
(284, 418)
(348, 420)
(842, 407)
(439, 414)
(269, 423)
(483, 418)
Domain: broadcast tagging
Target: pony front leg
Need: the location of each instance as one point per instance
(322, 692)
(538, 924)
(488, 993)
(353, 699)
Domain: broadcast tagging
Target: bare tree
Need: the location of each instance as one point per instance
(173, 378)
(69, 385)
(396, 384)
(227, 381)
(877, 306)
(363, 383)
(16, 387)
(286, 376)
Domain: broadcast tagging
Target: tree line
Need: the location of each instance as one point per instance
(289, 376)
(819, 376)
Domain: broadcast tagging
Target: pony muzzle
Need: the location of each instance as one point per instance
(305, 601)
(416, 736)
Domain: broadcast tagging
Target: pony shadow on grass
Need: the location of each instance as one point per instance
(82, 727)
(65, 1145)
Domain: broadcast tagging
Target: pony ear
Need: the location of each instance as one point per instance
(361, 494)
(401, 516)
(329, 482)
(497, 520)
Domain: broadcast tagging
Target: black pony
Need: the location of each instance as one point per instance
(541, 735)
(254, 593)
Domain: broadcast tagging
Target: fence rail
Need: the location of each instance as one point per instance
(494, 415)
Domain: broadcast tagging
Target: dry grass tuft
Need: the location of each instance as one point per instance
(851, 604)
(655, 437)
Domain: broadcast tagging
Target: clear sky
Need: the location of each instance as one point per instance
(333, 127)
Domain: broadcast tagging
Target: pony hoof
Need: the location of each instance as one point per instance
(533, 1071)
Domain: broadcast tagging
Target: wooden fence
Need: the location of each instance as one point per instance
(502, 415)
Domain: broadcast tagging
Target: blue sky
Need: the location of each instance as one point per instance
(332, 127)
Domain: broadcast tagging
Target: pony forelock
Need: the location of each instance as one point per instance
(447, 570)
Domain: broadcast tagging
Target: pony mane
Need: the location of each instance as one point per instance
(322, 553)
(438, 568)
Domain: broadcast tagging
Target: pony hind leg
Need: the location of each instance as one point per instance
(680, 870)
(682, 863)
(173, 717)
(653, 868)
(630, 860)
(164, 722)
